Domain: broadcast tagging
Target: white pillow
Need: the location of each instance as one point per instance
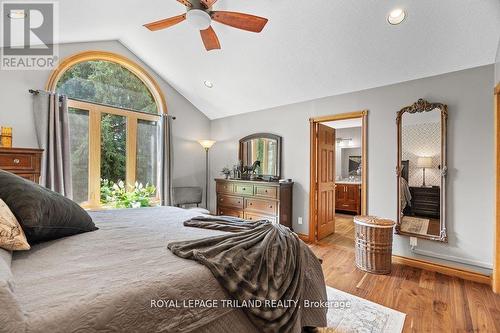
(12, 237)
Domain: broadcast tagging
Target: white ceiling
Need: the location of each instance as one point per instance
(346, 123)
(309, 49)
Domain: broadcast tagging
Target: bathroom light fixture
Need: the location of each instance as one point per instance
(396, 16)
(17, 14)
(343, 142)
(208, 84)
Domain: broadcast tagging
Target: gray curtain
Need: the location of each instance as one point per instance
(166, 156)
(52, 129)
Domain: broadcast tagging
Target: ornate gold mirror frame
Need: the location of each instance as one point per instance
(424, 106)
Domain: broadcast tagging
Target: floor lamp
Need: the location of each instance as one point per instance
(207, 144)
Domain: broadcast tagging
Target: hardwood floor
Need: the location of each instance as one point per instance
(432, 302)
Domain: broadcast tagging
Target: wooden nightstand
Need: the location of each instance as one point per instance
(24, 162)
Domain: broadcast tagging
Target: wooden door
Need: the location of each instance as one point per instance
(326, 181)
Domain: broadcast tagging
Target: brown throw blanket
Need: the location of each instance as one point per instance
(256, 261)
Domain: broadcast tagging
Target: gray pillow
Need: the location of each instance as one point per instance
(43, 214)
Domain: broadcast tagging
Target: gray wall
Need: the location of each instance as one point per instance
(470, 153)
(16, 111)
(497, 65)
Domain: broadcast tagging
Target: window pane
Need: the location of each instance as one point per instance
(113, 147)
(147, 154)
(107, 83)
(79, 141)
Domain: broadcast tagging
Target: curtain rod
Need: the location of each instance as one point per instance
(37, 91)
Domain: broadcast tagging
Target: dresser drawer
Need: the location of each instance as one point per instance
(230, 212)
(243, 189)
(230, 201)
(16, 161)
(30, 176)
(262, 206)
(224, 188)
(266, 192)
(258, 217)
(346, 206)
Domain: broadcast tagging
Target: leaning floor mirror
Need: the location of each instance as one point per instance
(421, 170)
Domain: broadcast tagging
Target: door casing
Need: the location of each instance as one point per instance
(313, 165)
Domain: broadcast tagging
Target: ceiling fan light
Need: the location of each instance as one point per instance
(199, 19)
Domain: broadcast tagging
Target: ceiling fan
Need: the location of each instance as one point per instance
(200, 15)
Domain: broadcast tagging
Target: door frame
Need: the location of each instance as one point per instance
(495, 281)
(313, 164)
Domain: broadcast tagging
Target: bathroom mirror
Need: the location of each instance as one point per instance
(421, 170)
(264, 148)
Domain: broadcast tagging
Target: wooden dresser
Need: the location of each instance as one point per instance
(24, 162)
(425, 201)
(348, 197)
(255, 200)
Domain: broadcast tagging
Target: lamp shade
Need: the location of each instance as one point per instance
(424, 162)
(207, 144)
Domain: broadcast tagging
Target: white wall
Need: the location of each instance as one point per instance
(16, 111)
(470, 153)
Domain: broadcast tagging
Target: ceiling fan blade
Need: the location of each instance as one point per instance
(208, 3)
(210, 39)
(239, 20)
(186, 3)
(166, 23)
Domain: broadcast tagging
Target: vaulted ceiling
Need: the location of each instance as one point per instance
(309, 49)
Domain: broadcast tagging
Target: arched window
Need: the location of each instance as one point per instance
(114, 113)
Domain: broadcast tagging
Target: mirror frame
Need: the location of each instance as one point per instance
(263, 136)
(424, 106)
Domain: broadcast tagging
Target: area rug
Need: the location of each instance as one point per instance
(348, 313)
(415, 225)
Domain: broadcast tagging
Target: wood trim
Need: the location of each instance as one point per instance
(495, 283)
(312, 182)
(111, 110)
(313, 164)
(303, 237)
(94, 182)
(135, 68)
(340, 116)
(446, 270)
(364, 163)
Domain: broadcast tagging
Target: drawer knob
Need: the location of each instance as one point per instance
(16, 161)
(243, 188)
(251, 204)
(266, 191)
(271, 206)
(221, 199)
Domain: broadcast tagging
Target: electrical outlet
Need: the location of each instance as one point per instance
(413, 242)
(299, 220)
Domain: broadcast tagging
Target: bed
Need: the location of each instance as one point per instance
(122, 278)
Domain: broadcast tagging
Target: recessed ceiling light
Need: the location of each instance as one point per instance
(208, 84)
(17, 14)
(396, 16)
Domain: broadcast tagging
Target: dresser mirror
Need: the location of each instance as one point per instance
(421, 170)
(260, 155)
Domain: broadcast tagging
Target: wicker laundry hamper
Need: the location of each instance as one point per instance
(373, 243)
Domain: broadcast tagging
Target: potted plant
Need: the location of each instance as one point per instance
(226, 172)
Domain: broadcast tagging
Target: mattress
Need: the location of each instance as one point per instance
(122, 278)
